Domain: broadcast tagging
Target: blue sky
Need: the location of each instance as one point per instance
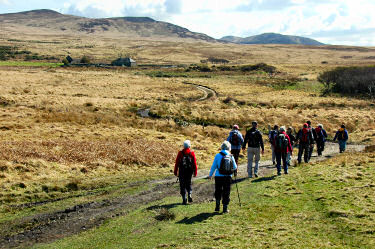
(346, 22)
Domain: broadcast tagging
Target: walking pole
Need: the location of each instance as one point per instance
(238, 194)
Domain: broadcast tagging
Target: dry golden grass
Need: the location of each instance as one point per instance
(63, 125)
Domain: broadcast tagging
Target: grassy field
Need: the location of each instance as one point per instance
(322, 205)
(73, 135)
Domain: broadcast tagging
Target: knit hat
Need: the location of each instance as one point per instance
(226, 146)
(187, 144)
(320, 125)
(282, 128)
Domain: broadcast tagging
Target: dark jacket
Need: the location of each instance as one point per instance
(292, 138)
(283, 150)
(253, 139)
(179, 161)
(321, 135)
(300, 136)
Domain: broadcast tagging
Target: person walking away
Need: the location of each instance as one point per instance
(271, 139)
(236, 140)
(321, 136)
(282, 148)
(342, 136)
(292, 139)
(185, 167)
(254, 140)
(312, 130)
(223, 167)
(305, 139)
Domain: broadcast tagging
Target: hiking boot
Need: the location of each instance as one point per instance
(217, 207)
(225, 209)
(184, 201)
(285, 172)
(189, 198)
(273, 162)
(279, 173)
(250, 176)
(256, 175)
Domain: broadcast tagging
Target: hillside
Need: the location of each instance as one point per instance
(271, 38)
(52, 21)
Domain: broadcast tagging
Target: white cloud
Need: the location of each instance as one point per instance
(6, 2)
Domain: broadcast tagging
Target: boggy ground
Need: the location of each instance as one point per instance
(47, 227)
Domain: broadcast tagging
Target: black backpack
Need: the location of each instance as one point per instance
(281, 142)
(235, 140)
(253, 138)
(226, 165)
(186, 162)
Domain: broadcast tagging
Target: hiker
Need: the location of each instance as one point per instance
(342, 136)
(282, 147)
(235, 139)
(185, 167)
(305, 140)
(312, 130)
(292, 139)
(223, 166)
(254, 140)
(321, 136)
(271, 138)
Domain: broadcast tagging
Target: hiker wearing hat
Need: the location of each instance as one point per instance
(321, 136)
(223, 166)
(313, 132)
(235, 139)
(282, 147)
(271, 138)
(254, 140)
(342, 136)
(185, 167)
(293, 140)
(305, 140)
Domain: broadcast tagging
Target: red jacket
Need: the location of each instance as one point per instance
(179, 158)
(289, 147)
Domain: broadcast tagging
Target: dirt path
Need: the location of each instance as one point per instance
(49, 227)
(207, 92)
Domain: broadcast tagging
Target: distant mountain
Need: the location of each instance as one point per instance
(52, 21)
(271, 38)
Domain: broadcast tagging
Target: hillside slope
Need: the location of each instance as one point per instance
(52, 21)
(272, 38)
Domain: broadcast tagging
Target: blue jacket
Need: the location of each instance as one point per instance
(345, 138)
(216, 164)
(237, 147)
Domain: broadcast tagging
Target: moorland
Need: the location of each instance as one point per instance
(73, 137)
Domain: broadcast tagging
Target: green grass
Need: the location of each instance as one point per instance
(325, 205)
(29, 64)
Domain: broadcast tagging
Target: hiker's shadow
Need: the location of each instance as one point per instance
(198, 218)
(166, 206)
(263, 179)
(239, 180)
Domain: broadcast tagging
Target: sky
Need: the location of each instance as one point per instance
(341, 22)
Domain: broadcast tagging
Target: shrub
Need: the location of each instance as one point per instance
(258, 67)
(349, 80)
(65, 61)
(85, 59)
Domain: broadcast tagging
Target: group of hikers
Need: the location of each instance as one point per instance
(224, 166)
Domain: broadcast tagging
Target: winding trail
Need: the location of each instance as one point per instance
(207, 92)
(48, 227)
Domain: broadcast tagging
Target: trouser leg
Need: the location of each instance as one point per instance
(218, 188)
(236, 154)
(306, 154)
(226, 190)
(300, 151)
(288, 158)
(185, 185)
(278, 162)
(250, 156)
(311, 150)
(257, 158)
(285, 164)
(273, 153)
